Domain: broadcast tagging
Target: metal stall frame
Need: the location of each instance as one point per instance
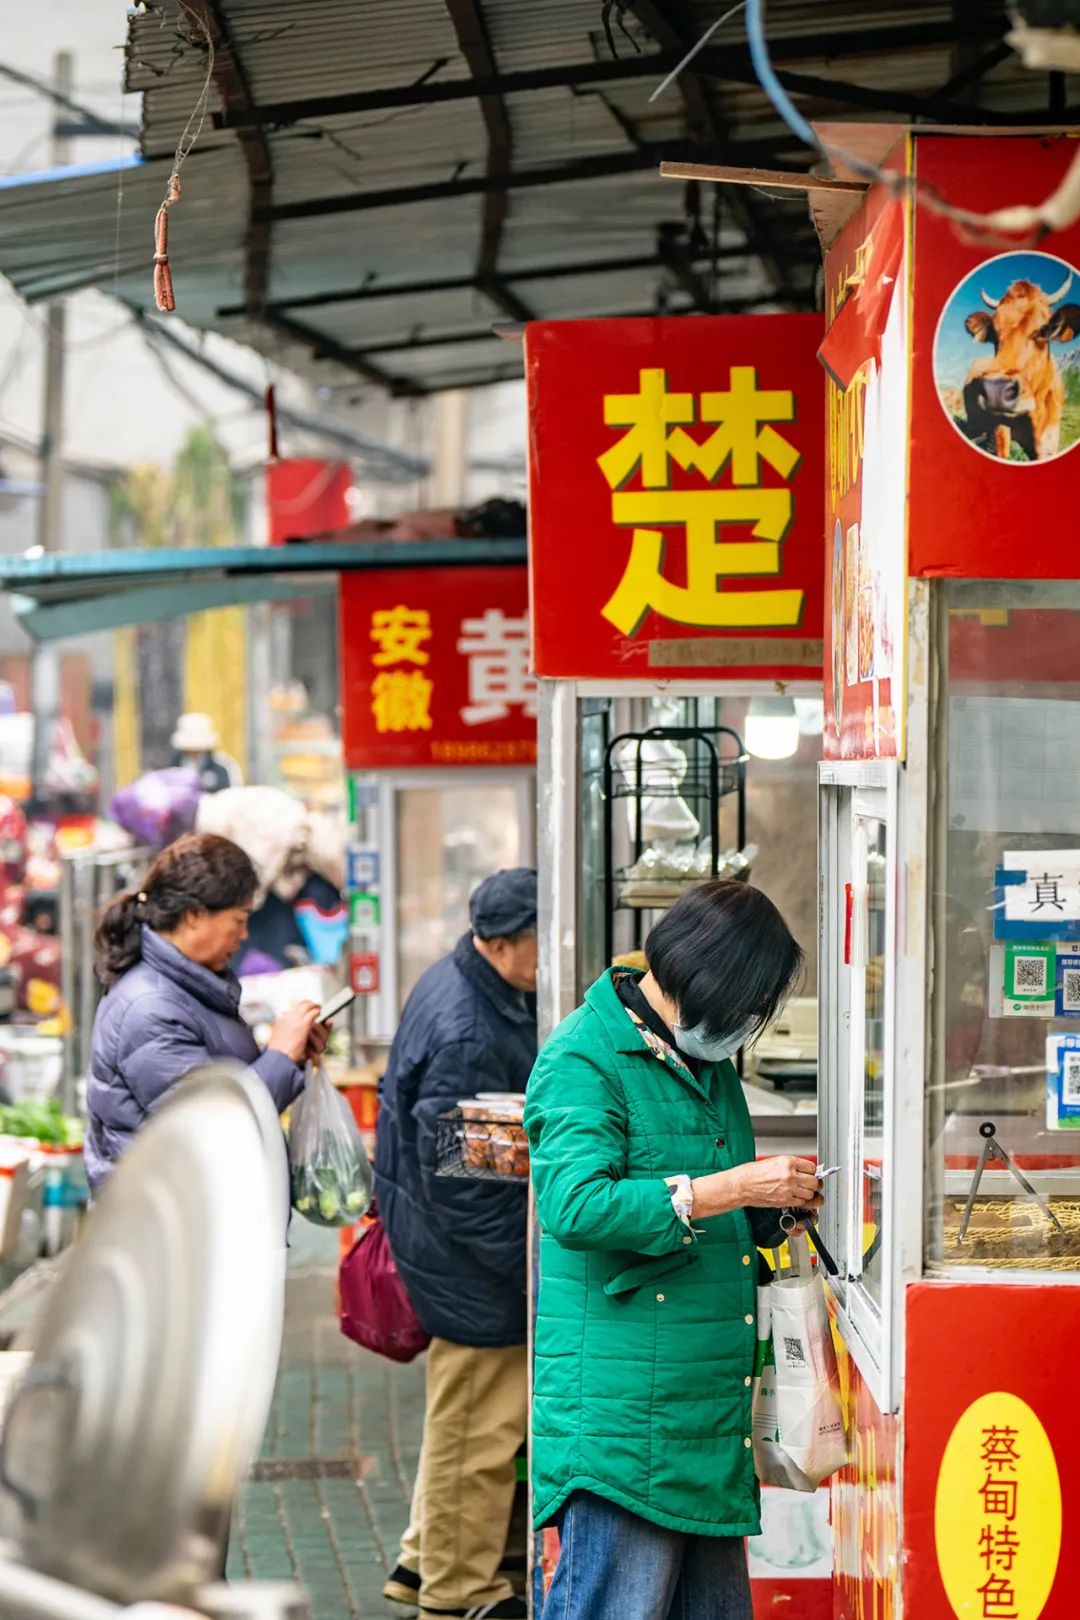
(559, 827)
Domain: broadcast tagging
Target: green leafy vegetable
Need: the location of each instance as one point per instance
(41, 1121)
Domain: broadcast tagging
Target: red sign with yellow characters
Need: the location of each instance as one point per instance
(675, 506)
(435, 668)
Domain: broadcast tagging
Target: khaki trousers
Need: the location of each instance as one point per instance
(475, 1419)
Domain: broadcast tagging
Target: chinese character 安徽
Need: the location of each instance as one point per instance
(999, 1599)
(1046, 892)
(399, 634)
(497, 648)
(401, 700)
(999, 1547)
(999, 1451)
(999, 1498)
(742, 439)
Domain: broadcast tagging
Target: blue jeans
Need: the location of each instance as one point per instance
(614, 1565)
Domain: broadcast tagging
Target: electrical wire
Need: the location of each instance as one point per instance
(1012, 227)
(680, 67)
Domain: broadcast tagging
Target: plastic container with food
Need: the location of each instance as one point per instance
(485, 1137)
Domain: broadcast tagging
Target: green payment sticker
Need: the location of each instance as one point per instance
(1030, 972)
(365, 912)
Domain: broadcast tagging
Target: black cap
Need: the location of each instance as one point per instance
(504, 904)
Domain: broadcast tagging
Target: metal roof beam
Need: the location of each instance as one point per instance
(725, 61)
(472, 35)
(382, 461)
(367, 291)
(672, 31)
(326, 348)
(235, 88)
(604, 166)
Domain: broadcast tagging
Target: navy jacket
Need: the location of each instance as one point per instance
(165, 1016)
(459, 1244)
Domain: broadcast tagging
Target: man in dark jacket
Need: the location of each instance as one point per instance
(468, 1028)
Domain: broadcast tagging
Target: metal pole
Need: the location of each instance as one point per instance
(44, 667)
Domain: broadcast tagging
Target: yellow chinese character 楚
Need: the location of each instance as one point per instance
(648, 415)
(400, 633)
(645, 586)
(401, 701)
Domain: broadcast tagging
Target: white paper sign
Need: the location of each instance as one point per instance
(1050, 892)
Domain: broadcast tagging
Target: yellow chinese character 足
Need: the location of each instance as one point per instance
(401, 701)
(645, 587)
(647, 415)
(400, 633)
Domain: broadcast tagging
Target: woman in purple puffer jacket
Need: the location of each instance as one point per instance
(170, 1001)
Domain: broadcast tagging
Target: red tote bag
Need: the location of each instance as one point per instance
(375, 1309)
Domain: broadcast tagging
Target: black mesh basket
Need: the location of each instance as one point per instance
(482, 1147)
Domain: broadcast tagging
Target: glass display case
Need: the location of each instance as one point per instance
(950, 970)
(1006, 933)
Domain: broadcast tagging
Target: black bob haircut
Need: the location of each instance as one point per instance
(725, 956)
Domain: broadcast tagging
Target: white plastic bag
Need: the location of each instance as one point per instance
(798, 1423)
(329, 1169)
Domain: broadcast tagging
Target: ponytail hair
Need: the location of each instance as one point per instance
(200, 872)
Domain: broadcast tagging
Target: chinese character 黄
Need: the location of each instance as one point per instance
(497, 648)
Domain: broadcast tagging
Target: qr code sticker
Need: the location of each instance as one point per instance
(1070, 1079)
(793, 1348)
(1031, 975)
(1070, 989)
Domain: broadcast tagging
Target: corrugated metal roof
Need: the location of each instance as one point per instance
(390, 191)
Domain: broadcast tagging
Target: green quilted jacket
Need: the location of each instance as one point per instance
(645, 1334)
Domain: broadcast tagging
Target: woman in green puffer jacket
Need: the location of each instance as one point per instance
(644, 1171)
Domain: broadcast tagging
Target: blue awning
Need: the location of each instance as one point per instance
(69, 594)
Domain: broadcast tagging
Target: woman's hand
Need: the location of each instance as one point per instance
(296, 1031)
(318, 1040)
(782, 1182)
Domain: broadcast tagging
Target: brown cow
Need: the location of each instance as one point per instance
(1018, 392)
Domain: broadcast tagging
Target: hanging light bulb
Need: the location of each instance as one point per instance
(772, 728)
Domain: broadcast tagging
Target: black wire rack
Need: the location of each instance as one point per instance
(710, 777)
(479, 1147)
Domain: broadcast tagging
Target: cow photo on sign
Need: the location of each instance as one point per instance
(1006, 360)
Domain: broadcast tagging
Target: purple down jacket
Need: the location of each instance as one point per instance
(164, 1017)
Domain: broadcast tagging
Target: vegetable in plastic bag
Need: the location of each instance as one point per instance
(328, 1164)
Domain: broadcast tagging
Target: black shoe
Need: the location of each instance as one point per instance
(403, 1586)
(511, 1608)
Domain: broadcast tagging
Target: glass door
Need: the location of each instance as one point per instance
(448, 836)
(857, 1112)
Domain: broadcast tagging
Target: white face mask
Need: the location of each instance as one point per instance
(695, 1043)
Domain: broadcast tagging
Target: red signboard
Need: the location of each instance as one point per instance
(675, 471)
(305, 497)
(435, 668)
(995, 422)
(866, 358)
(990, 1446)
